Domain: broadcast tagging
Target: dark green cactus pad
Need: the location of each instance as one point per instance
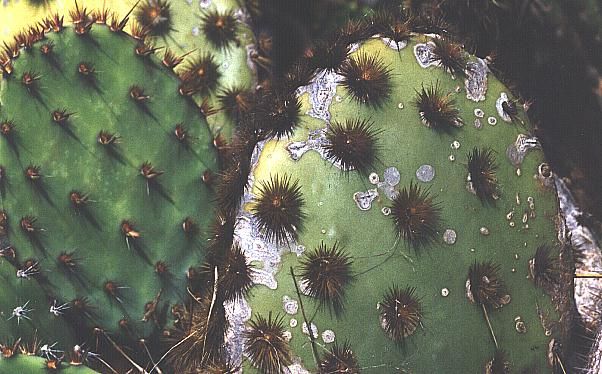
(177, 27)
(33, 364)
(145, 176)
(25, 311)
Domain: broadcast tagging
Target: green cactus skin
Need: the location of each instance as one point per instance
(71, 158)
(15, 293)
(453, 337)
(233, 62)
(185, 34)
(33, 364)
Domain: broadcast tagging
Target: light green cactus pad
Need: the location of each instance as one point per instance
(354, 211)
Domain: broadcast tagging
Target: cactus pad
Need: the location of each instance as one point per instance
(217, 28)
(101, 193)
(428, 176)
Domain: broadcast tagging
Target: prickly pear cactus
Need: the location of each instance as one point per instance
(105, 187)
(406, 213)
(215, 31)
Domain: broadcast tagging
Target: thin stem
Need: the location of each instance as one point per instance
(314, 348)
(215, 275)
(118, 349)
(170, 350)
(588, 274)
(560, 363)
(150, 356)
(489, 324)
(106, 364)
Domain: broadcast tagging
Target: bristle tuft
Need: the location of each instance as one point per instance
(266, 345)
(220, 28)
(401, 313)
(353, 145)
(327, 273)
(416, 216)
(279, 209)
(155, 17)
(367, 79)
(437, 111)
(340, 359)
(449, 55)
(484, 286)
(482, 176)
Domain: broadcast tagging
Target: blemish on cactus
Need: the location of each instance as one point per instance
(506, 108)
(449, 236)
(322, 89)
(545, 175)
(517, 151)
(476, 80)
(328, 336)
(364, 200)
(425, 173)
(424, 53)
(290, 306)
